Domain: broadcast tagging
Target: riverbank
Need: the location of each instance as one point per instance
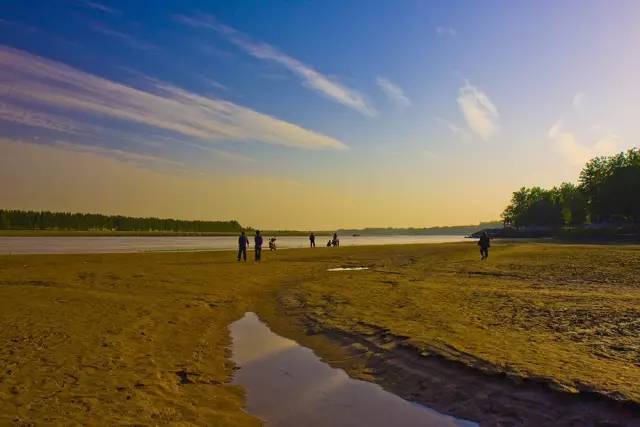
(592, 234)
(113, 233)
(142, 338)
(552, 328)
(119, 244)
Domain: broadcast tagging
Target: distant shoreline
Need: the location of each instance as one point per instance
(15, 222)
(111, 233)
(463, 231)
(134, 244)
(106, 233)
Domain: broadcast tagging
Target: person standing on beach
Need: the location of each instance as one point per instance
(243, 242)
(484, 244)
(312, 240)
(258, 245)
(335, 241)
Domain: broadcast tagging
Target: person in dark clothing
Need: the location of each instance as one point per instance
(484, 244)
(335, 241)
(312, 240)
(258, 245)
(329, 243)
(243, 242)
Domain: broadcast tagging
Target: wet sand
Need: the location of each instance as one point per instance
(287, 385)
(143, 338)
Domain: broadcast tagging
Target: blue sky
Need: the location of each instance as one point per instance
(324, 114)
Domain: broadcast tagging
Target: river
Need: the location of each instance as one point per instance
(287, 385)
(110, 244)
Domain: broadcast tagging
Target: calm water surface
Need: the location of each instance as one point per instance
(107, 244)
(289, 386)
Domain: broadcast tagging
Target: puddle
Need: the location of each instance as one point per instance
(288, 385)
(347, 268)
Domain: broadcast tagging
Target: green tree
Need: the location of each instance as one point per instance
(611, 186)
(30, 220)
(573, 204)
(4, 221)
(534, 207)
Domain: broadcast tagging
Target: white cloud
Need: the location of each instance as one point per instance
(311, 78)
(215, 84)
(124, 38)
(444, 31)
(101, 7)
(39, 84)
(479, 112)
(393, 92)
(16, 114)
(117, 154)
(555, 130)
(578, 100)
(455, 129)
(576, 153)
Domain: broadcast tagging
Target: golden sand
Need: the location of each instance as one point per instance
(142, 338)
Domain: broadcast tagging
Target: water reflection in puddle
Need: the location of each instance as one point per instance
(347, 268)
(288, 385)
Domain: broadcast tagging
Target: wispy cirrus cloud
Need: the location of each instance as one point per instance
(311, 78)
(100, 7)
(16, 114)
(393, 92)
(122, 37)
(214, 84)
(203, 149)
(578, 100)
(117, 154)
(576, 153)
(453, 128)
(478, 110)
(40, 87)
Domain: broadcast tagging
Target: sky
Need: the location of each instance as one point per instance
(309, 114)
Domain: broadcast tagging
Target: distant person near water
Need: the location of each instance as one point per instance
(243, 242)
(484, 244)
(258, 245)
(329, 243)
(272, 244)
(312, 240)
(335, 241)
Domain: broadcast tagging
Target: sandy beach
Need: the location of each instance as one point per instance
(538, 332)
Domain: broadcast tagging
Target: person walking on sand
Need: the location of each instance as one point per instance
(257, 241)
(484, 244)
(312, 240)
(335, 241)
(243, 242)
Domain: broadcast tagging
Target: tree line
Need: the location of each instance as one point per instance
(608, 191)
(426, 231)
(45, 220)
